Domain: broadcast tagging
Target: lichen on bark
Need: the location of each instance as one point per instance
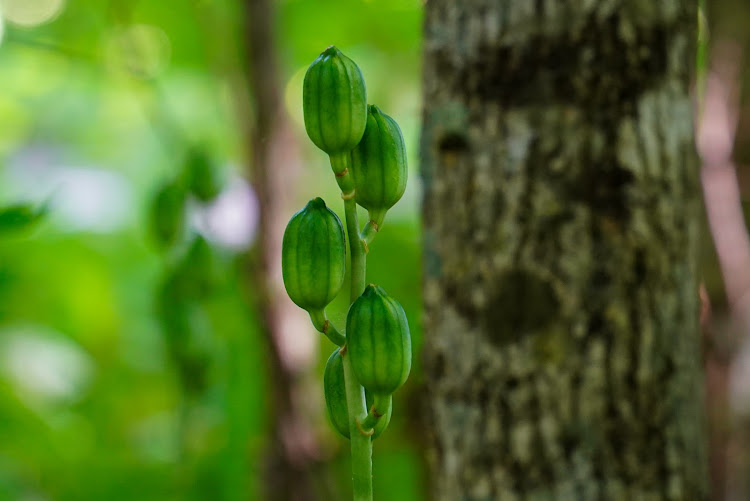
(561, 216)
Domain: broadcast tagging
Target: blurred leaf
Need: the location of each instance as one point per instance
(188, 349)
(19, 218)
(195, 275)
(202, 177)
(201, 267)
(186, 330)
(167, 215)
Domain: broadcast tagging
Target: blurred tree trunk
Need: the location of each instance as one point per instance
(293, 470)
(562, 216)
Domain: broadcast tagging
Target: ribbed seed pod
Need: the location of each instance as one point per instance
(334, 102)
(167, 214)
(335, 392)
(379, 165)
(313, 256)
(378, 341)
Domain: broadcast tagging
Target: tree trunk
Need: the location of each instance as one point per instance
(561, 216)
(293, 470)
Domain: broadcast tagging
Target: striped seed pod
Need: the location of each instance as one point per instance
(313, 256)
(334, 102)
(335, 392)
(378, 341)
(379, 165)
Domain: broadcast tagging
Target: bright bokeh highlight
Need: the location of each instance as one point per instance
(30, 13)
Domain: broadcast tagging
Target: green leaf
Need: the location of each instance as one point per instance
(19, 218)
(167, 215)
(202, 177)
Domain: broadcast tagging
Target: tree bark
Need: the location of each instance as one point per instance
(561, 215)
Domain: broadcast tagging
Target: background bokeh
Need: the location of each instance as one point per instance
(111, 390)
(101, 102)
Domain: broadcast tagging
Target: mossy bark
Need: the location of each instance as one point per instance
(561, 215)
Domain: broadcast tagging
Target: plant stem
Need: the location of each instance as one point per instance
(361, 444)
(380, 407)
(340, 165)
(355, 395)
(325, 326)
(356, 250)
(371, 229)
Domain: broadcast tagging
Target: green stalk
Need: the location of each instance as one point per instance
(381, 406)
(356, 250)
(340, 164)
(371, 229)
(361, 444)
(325, 326)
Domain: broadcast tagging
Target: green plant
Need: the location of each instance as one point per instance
(19, 218)
(367, 155)
(190, 276)
(202, 178)
(334, 386)
(167, 217)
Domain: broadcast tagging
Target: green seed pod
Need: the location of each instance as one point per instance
(379, 165)
(334, 102)
(167, 214)
(201, 175)
(313, 256)
(378, 341)
(335, 392)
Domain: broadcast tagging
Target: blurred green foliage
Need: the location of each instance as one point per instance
(19, 218)
(100, 106)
